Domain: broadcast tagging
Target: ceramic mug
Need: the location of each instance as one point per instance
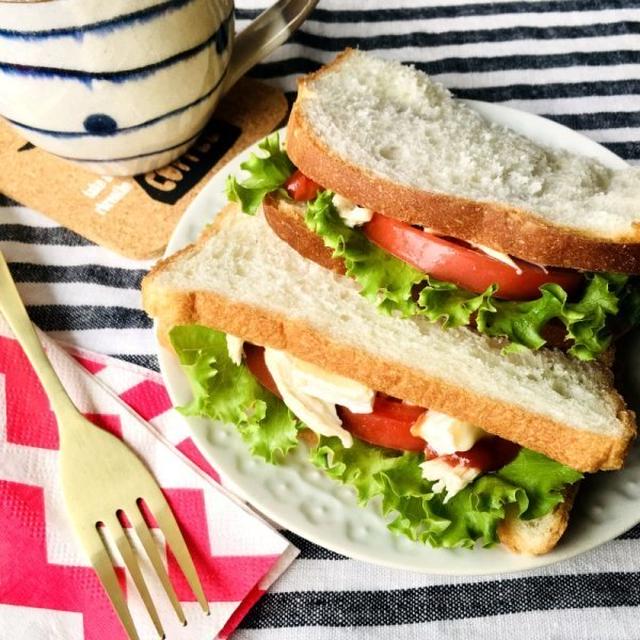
(125, 86)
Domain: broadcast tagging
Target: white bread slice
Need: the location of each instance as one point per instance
(242, 279)
(540, 535)
(389, 138)
(286, 219)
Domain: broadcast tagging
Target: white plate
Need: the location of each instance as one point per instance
(303, 499)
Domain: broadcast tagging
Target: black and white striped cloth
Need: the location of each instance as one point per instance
(575, 61)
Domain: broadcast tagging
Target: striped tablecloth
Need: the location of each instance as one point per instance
(575, 61)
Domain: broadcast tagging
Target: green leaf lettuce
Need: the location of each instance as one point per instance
(266, 172)
(227, 392)
(385, 280)
(394, 285)
(531, 485)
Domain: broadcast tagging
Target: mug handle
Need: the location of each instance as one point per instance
(268, 31)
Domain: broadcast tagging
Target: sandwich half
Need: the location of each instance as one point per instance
(459, 442)
(440, 214)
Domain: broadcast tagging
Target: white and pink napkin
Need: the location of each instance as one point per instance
(47, 587)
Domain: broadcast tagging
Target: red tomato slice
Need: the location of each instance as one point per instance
(254, 359)
(467, 267)
(395, 409)
(387, 426)
(301, 188)
(488, 454)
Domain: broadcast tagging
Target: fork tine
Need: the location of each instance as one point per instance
(169, 527)
(131, 562)
(149, 544)
(101, 562)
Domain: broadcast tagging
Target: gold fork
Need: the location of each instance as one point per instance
(102, 480)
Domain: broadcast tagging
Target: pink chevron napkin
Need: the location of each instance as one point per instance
(47, 588)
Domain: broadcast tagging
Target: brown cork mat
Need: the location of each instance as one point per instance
(136, 216)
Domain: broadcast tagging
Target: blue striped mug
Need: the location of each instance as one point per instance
(125, 86)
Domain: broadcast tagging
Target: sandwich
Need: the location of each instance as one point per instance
(437, 213)
(458, 442)
(423, 301)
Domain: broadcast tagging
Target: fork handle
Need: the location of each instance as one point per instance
(13, 310)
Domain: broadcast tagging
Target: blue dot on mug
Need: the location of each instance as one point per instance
(100, 124)
(222, 37)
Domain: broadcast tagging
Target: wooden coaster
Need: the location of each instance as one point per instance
(136, 216)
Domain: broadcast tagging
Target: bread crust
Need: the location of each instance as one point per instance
(538, 536)
(287, 221)
(503, 227)
(579, 449)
